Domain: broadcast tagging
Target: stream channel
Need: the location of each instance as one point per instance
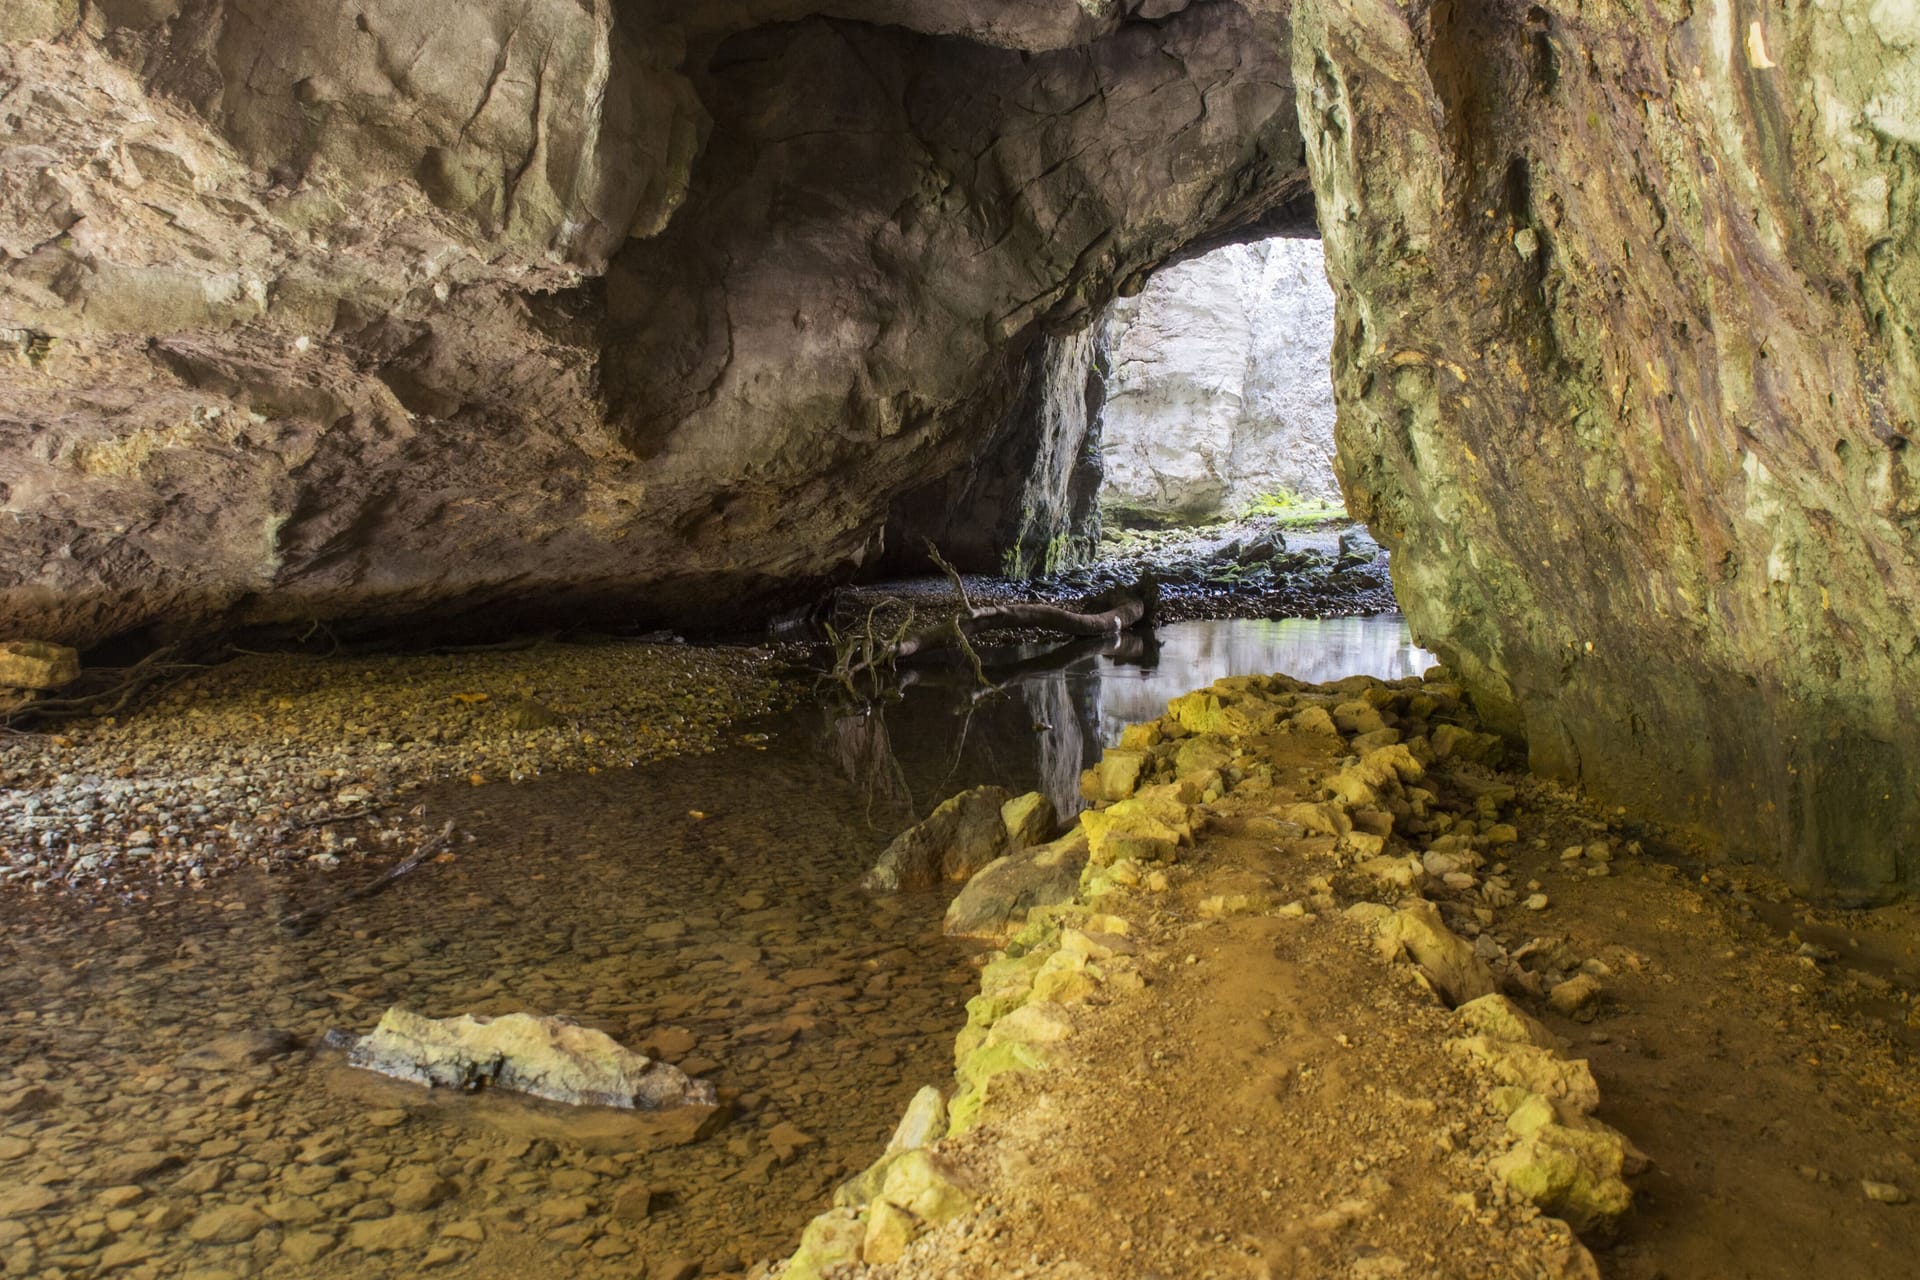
(166, 1108)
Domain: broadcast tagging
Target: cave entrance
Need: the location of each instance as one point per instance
(1211, 427)
(1218, 398)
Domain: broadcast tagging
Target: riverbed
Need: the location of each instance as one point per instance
(169, 1106)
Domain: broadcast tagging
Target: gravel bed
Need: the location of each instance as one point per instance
(275, 761)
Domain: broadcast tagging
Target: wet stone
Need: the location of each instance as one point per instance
(230, 1224)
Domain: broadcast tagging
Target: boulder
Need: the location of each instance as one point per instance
(961, 836)
(546, 1057)
(35, 665)
(1030, 819)
(995, 902)
(1570, 1170)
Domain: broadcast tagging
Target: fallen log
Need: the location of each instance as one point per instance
(867, 651)
(1122, 609)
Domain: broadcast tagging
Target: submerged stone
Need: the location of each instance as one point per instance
(962, 835)
(547, 1057)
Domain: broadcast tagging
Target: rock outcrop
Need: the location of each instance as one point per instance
(1628, 364)
(960, 838)
(1220, 393)
(373, 313)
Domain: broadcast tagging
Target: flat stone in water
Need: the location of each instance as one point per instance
(547, 1057)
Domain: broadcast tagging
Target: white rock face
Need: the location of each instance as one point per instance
(1221, 390)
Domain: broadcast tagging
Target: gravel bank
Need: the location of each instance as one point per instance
(282, 760)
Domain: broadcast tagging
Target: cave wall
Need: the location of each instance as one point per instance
(1627, 375)
(388, 313)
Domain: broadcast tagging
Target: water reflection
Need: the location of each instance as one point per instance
(1071, 701)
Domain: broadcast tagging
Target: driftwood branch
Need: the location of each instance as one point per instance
(1108, 615)
(115, 690)
(301, 921)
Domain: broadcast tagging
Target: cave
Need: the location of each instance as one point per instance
(389, 392)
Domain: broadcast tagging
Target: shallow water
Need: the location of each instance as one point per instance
(704, 908)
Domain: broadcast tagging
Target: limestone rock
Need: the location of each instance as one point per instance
(1115, 776)
(1499, 1018)
(1149, 827)
(36, 664)
(1762, 602)
(1448, 960)
(352, 318)
(547, 1057)
(927, 1186)
(1567, 1083)
(1232, 345)
(1030, 820)
(1572, 1171)
(996, 901)
(957, 840)
(829, 1241)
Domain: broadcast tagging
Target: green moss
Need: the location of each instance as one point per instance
(1293, 510)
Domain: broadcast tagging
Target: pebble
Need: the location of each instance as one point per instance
(1883, 1192)
(229, 1224)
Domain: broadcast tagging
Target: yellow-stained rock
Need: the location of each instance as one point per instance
(890, 1229)
(1115, 777)
(1571, 1172)
(1498, 1018)
(1319, 819)
(1405, 874)
(831, 1240)
(1149, 827)
(1567, 1082)
(1313, 720)
(928, 1187)
(1030, 820)
(1447, 959)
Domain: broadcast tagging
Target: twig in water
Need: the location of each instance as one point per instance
(301, 921)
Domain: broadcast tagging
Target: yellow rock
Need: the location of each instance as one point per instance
(1117, 774)
(1320, 819)
(1499, 1018)
(1571, 1173)
(831, 1240)
(926, 1186)
(1146, 828)
(1568, 1083)
(890, 1229)
(1447, 959)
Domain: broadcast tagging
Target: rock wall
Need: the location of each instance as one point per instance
(383, 314)
(1628, 373)
(1024, 503)
(1220, 392)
